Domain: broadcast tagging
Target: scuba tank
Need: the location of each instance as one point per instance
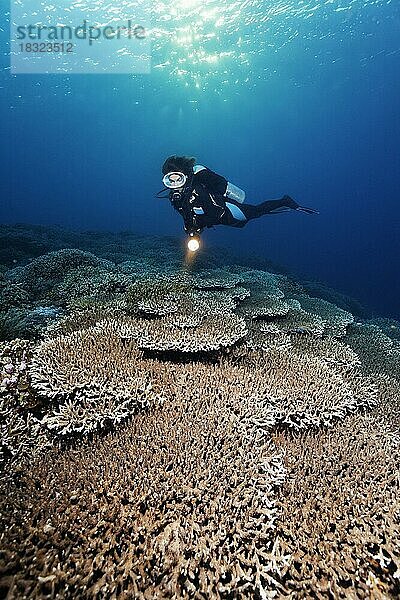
(235, 193)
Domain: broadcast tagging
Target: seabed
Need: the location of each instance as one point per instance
(206, 430)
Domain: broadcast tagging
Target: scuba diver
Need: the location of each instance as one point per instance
(205, 199)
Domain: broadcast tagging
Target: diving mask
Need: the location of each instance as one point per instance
(174, 180)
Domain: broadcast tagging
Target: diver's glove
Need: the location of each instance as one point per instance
(290, 203)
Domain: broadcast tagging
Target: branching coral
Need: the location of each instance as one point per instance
(336, 320)
(90, 282)
(21, 435)
(15, 380)
(341, 512)
(44, 272)
(85, 313)
(282, 387)
(317, 289)
(255, 307)
(329, 349)
(198, 372)
(298, 321)
(85, 412)
(157, 296)
(215, 279)
(179, 503)
(378, 352)
(267, 336)
(96, 376)
(212, 333)
(266, 284)
(22, 438)
(24, 322)
(303, 391)
(11, 294)
(390, 327)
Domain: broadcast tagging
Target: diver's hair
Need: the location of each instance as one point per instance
(183, 164)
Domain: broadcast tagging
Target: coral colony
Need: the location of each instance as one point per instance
(218, 431)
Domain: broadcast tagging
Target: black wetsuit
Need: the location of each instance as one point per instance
(203, 204)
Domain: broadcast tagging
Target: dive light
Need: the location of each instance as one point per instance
(193, 242)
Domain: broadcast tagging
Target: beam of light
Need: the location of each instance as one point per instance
(193, 244)
(239, 41)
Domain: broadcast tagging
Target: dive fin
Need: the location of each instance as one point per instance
(309, 211)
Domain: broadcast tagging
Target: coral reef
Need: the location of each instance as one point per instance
(170, 334)
(44, 272)
(160, 509)
(320, 290)
(389, 327)
(89, 282)
(378, 352)
(22, 437)
(336, 320)
(94, 375)
(190, 431)
(341, 516)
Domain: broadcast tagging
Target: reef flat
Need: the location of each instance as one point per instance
(204, 429)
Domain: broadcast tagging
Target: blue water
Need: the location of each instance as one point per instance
(285, 97)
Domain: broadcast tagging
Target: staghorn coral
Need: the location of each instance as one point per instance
(378, 352)
(178, 503)
(212, 302)
(44, 272)
(266, 284)
(390, 327)
(185, 321)
(387, 410)
(148, 298)
(84, 313)
(237, 293)
(298, 321)
(295, 390)
(255, 307)
(22, 439)
(15, 382)
(288, 285)
(329, 349)
(138, 269)
(303, 391)
(21, 435)
(281, 387)
(98, 379)
(26, 322)
(178, 488)
(214, 279)
(336, 320)
(341, 512)
(267, 336)
(89, 282)
(168, 505)
(86, 412)
(264, 298)
(212, 333)
(157, 296)
(163, 296)
(320, 290)
(11, 295)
